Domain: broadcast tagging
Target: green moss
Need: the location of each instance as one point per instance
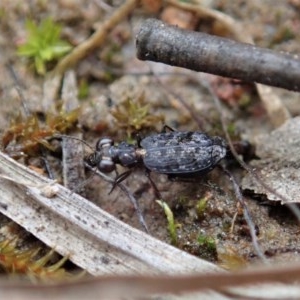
(207, 242)
(43, 44)
(201, 206)
(135, 116)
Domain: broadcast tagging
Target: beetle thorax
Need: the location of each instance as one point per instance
(124, 154)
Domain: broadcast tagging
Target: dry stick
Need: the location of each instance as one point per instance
(156, 41)
(97, 38)
(276, 110)
(201, 52)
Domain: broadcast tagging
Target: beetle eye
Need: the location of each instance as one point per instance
(104, 142)
(106, 166)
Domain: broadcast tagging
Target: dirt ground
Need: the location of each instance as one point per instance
(112, 75)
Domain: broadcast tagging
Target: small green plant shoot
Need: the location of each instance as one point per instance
(171, 222)
(43, 44)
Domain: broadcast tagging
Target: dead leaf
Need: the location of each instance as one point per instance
(279, 163)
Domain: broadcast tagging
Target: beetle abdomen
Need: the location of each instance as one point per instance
(182, 153)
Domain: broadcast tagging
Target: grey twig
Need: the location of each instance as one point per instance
(157, 41)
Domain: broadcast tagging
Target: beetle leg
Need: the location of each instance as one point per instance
(176, 178)
(167, 127)
(156, 191)
(119, 179)
(138, 140)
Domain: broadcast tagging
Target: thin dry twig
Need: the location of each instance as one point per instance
(97, 39)
(13, 74)
(247, 216)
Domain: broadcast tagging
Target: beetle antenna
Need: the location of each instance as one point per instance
(73, 138)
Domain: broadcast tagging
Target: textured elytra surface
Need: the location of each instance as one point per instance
(183, 153)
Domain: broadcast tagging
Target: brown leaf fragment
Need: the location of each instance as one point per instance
(152, 6)
(178, 17)
(279, 163)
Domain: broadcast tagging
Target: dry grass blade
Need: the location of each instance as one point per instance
(97, 38)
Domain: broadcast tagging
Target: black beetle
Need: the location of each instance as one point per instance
(177, 154)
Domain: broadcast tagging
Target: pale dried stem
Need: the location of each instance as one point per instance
(97, 39)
